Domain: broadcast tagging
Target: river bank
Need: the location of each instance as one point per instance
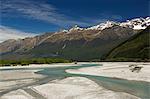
(117, 70)
(52, 82)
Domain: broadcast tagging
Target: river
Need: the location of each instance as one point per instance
(138, 88)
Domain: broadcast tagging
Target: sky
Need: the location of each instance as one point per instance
(33, 17)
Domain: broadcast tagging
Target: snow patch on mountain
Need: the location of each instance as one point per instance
(76, 27)
(137, 23)
(64, 30)
(102, 26)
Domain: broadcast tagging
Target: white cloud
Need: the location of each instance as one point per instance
(43, 11)
(38, 10)
(10, 33)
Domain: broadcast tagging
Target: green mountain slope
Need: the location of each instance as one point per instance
(136, 48)
(79, 50)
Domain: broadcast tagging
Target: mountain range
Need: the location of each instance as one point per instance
(81, 44)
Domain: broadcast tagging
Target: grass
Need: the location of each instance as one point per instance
(23, 62)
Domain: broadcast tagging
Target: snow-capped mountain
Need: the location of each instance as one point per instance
(76, 27)
(137, 24)
(102, 36)
(102, 26)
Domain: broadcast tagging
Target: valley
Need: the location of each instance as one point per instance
(74, 49)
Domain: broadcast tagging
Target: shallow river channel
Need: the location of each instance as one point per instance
(138, 88)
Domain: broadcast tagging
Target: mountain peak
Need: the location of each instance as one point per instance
(76, 27)
(137, 23)
(102, 26)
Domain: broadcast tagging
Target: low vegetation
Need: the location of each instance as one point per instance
(137, 48)
(32, 61)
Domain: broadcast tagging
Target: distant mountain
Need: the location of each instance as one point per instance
(137, 23)
(135, 48)
(82, 44)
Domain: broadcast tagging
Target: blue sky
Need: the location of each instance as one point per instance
(39, 16)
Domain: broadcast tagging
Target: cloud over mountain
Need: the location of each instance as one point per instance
(10, 33)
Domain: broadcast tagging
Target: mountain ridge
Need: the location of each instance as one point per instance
(90, 42)
(136, 47)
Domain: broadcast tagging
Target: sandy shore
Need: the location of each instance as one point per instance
(117, 70)
(69, 88)
(12, 78)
